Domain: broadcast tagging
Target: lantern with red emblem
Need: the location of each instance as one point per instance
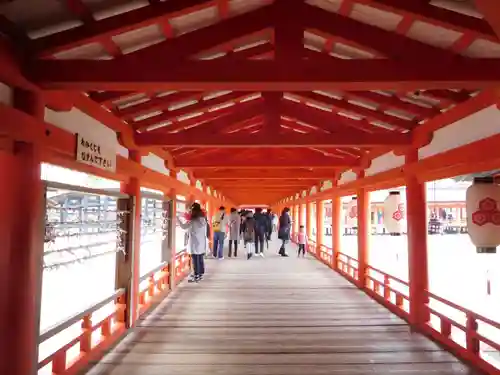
(483, 214)
(394, 213)
(351, 213)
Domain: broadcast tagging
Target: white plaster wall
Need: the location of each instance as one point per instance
(76, 121)
(6, 94)
(347, 177)
(155, 163)
(480, 125)
(183, 177)
(384, 163)
(122, 151)
(314, 190)
(326, 185)
(199, 185)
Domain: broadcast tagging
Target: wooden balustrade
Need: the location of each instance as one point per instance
(112, 326)
(481, 346)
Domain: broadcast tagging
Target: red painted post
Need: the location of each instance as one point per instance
(21, 252)
(301, 218)
(363, 233)
(417, 245)
(309, 220)
(336, 227)
(320, 225)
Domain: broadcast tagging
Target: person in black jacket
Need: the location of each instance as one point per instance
(269, 226)
(284, 228)
(260, 231)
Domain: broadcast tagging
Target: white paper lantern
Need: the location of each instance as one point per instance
(351, 213)
(483, 214)
(394, 213)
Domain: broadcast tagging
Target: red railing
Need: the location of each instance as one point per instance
(158, 282)
(85, 336)
(390, 290)
(93, 337)
(469, 335)
(182, 266)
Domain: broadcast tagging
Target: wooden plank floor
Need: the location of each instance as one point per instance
(274, 316)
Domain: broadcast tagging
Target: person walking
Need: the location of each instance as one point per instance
(284, 228)
(269, 227)
(234, 231)
(219, 227)
(196, 226)
(302, 241)
(260, 231)
(249, 234)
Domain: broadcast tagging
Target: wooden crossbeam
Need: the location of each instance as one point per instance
(344, 139)
(278, 174)
(348, 75)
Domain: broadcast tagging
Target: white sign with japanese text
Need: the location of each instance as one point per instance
(91, 152)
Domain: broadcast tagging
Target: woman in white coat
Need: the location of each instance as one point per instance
(197, 245)
(234, 231)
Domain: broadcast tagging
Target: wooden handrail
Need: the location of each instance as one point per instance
(61, 326)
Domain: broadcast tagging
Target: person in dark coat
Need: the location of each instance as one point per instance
(260, 231)
(284, 229)
(269, 226)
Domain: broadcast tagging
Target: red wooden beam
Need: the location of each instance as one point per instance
(242, 183)
(201, 106)
(186, 45)
(250, 174)
(239, 114)
(265, 162)
(158, 104)
(115, 25)
(393, 102)
(352, 138)
(447, 95)
(108, 97)
(491, 12)
(349, 75)
(448, 19)
(370, 114)
(388, 43)
(328, 120)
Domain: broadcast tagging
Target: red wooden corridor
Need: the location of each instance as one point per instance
(284, 103)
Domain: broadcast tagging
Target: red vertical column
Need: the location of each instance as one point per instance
(300, 217)
(417, 245)
(21, 252)
(320, 222)
(309, 219)
(336, 226)
(363, 233)
(320, 226)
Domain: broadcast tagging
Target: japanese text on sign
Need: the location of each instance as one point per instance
(92, 153)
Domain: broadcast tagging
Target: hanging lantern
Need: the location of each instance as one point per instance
(351, 213)
(394, 213)
(483, 214)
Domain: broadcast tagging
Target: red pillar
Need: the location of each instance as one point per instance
(309, 219)
(21, 253)
(417, 245)
(320, 221)
(363, 233)
(336, 226)
(300, 217)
